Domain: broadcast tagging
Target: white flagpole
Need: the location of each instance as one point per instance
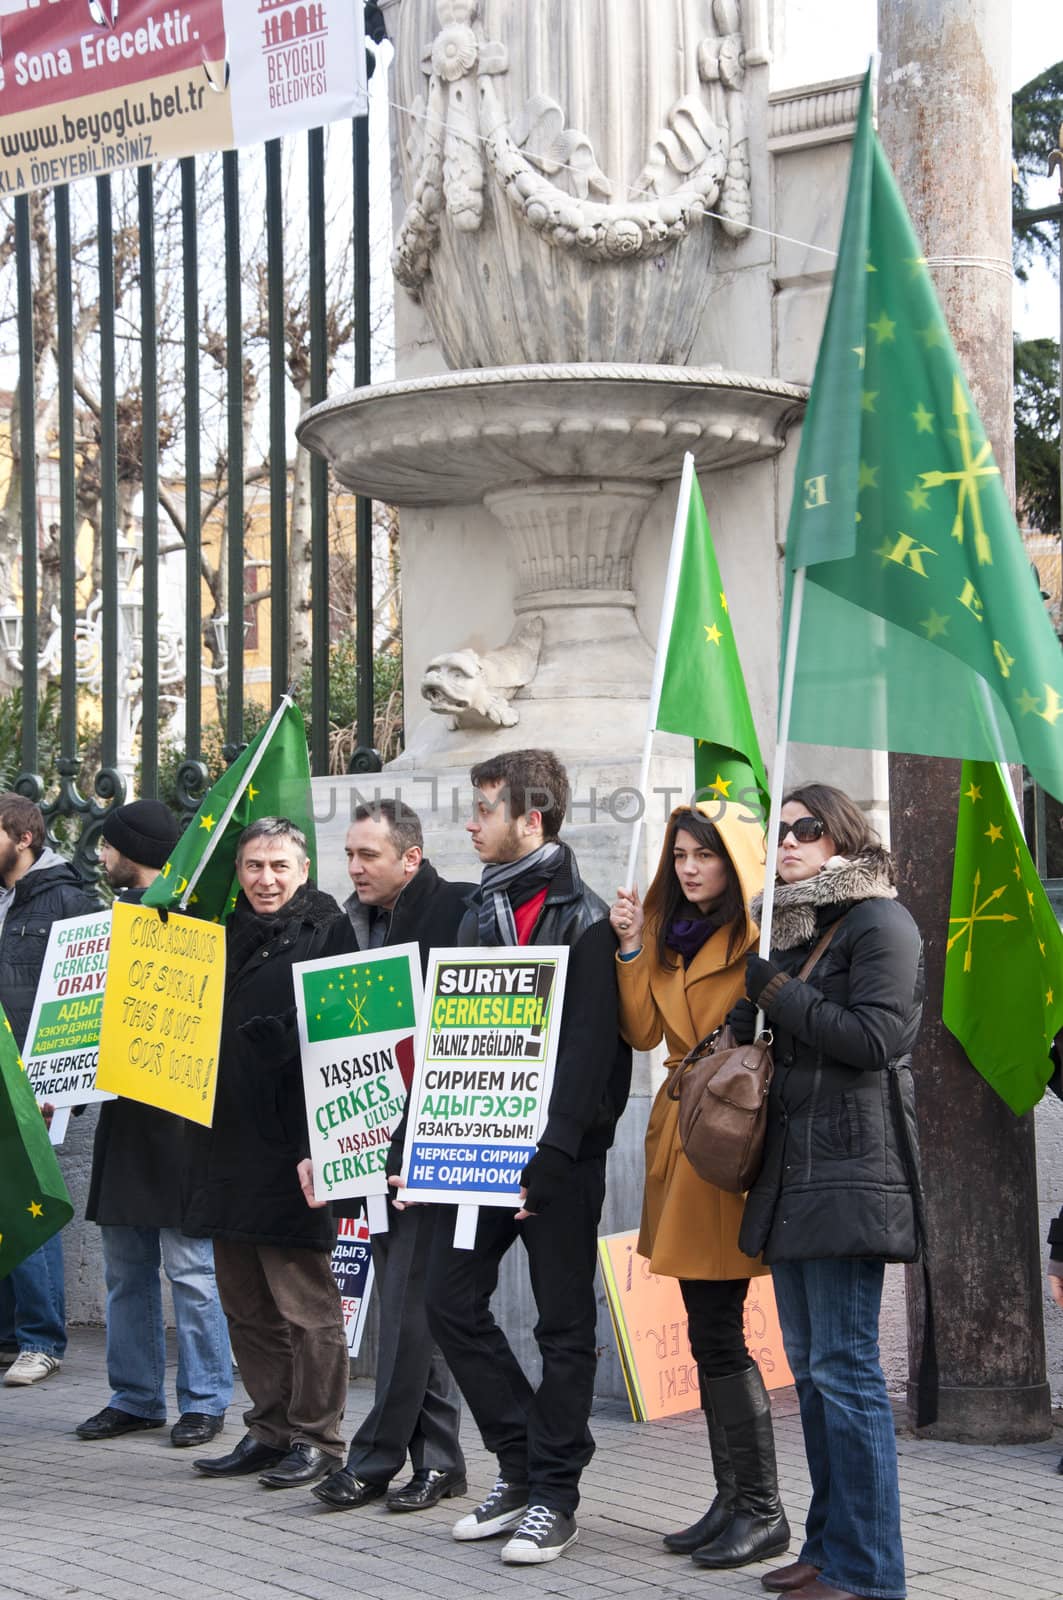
(219, 827)
(671, 589)
(778, 777)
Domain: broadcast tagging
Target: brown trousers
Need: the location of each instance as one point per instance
(286, 1327)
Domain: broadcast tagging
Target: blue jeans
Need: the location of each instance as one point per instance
(828, 1312)
(136, 1335)
(33, 1302)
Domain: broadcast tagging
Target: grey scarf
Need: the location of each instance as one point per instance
(842, 880)
(495, 923)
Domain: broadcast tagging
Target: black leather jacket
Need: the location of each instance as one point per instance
(592, 1078)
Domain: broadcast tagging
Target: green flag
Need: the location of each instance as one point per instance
(922, 626)
(703, 692)
(359, 999)
(1003, 994)
(34, 1202)
(271, 778)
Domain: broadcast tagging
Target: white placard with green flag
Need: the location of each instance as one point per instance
(271, 778)
(357, 1020)
(1003, 995)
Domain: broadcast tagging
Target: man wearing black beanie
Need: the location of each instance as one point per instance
(135, 1196)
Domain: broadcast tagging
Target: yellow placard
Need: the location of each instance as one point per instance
(162, 1011)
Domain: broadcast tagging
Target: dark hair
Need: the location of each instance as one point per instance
(274, 828)
(18, 816)
(404, 825)
(533, 780)
(850, 830)
(665, 899)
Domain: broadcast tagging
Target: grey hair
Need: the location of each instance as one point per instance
(274, 828)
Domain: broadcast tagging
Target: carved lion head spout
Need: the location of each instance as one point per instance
(475, 690)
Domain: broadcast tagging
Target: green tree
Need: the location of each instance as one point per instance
(1037, 433)
(1036, 115)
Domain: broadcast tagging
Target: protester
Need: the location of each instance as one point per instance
(681, 967)
(838, 1195)
(531, 893)
(135, 1197)
(37, 888)
(399, 898)
(272, 1253)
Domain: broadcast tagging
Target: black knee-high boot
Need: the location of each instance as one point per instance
(719, 1514)
(758, 1529)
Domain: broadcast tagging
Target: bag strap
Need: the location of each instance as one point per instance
(774, 985)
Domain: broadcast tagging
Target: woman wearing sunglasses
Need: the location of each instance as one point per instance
(680, 967)
(838, 1195)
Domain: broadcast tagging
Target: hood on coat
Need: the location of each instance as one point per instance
(742, 832)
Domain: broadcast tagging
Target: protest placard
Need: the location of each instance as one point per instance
(357, 1017)
(650, 1323)
(162, 1011)
(352, 1268)
(486, 1047)
(63, 1038)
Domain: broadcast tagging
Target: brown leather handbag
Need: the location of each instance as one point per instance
(722, 1089)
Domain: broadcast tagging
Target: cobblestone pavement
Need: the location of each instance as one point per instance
(130, 1520)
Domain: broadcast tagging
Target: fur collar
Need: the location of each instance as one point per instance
(843, 880)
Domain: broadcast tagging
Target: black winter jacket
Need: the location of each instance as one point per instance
(592, 1077)
(241, 1175)
(137, 1159)
(427, 913)
(42, 896)
(840, 1174)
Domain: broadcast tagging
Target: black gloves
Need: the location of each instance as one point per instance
(742, 1021)
(271, 1034)
(759, 974)
(546, 1178)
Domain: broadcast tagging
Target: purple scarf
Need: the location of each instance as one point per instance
(686, 935)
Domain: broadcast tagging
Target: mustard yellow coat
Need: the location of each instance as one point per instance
(689, 1227)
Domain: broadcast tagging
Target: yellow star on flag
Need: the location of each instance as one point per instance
(34, 1209)
(868, 477)
(723, 600)
(713, 634)
(207, 821)
(933, 336)
(993, 833)
(918, 498)
(868, 398)
(934, 624)
(923, 419)
(1027, 702)
(883, 329)
(973, 793)
(722, 786)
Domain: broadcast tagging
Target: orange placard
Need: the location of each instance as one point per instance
(650, 1323)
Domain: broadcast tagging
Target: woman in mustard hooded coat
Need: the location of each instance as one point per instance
(680, 968)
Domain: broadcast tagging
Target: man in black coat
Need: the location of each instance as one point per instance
(37, 888)
(399, 898)
(531, 893)
(135, 1197)
(271, 1251)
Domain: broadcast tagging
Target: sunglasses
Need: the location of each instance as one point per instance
(805, 830)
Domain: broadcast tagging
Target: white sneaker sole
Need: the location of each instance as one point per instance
(469, 1528)
(523, 1553)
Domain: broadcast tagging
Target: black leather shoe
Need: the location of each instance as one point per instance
(195, 1427)
(342, 1491)
(110, 1423)
(302, 1464)
(426, 1488)
(250, 1455)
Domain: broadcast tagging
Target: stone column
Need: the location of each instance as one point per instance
(945, 123)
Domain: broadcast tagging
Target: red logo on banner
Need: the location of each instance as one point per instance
(293, 45)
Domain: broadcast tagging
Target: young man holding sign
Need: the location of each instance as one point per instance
(400, 898)
(135, 1197)
(531, 893)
